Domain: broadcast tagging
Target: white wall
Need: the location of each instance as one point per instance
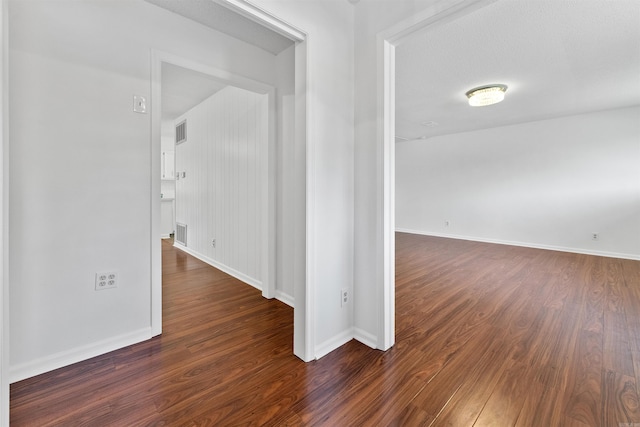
(167, 185)
(329, 153)
(221, 195)
(286, 177)
(80, 197)
(4, 292)
(168, 144)
(548, 183)
(167, 136)
(372, 17)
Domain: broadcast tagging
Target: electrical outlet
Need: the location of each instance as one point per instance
(213, 243)
(106, 280)
(595, 236)
(344, 297)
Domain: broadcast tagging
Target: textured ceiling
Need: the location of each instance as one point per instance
(220, 18)
(558, 57)
(183, 89)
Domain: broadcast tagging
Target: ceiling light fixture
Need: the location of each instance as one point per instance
(486, 95)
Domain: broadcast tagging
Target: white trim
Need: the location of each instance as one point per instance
(334, 343)
(264, 18)
(156, 176)
(269, 200)
(386, 123)
(304, 289)
(524, 244)
(441, 12)
(365, 337)
(285, 298)
(78, 354)
(222, 267)
(4, 214)
(311, 232)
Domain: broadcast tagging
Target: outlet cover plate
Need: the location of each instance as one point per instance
(106, 280)
(344, 297)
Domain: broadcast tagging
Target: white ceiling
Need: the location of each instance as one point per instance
(183, 89)
(558, 57)
(220, 18)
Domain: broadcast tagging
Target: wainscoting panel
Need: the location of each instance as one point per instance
(220, 171)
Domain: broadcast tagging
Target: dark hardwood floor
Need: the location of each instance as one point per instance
(487, 335)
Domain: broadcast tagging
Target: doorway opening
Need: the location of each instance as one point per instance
(215, 143)
(386, 47)
(284, 179)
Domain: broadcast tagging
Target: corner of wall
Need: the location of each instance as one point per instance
(333, 343)
(365, 337)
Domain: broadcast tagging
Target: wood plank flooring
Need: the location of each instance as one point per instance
(486, 335)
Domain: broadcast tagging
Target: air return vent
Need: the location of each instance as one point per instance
(181, 234)
(181, 132)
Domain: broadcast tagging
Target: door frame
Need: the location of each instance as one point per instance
(386, 42)
(267, 167)
(304, 320)
(4, 216)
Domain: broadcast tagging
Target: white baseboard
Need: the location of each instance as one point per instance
(230, 271)
(339, 340)
(365, 338)
(333, 343)
(75, 355)
(285, 298)
(524, 244)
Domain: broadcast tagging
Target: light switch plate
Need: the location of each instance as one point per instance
(139, 104)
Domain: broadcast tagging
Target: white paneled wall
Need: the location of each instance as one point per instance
(220, 195)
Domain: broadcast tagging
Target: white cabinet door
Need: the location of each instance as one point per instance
(168, 165)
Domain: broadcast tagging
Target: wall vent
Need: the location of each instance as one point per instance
(181, 234)
(181, 132)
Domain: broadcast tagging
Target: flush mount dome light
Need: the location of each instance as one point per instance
(486, 95)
